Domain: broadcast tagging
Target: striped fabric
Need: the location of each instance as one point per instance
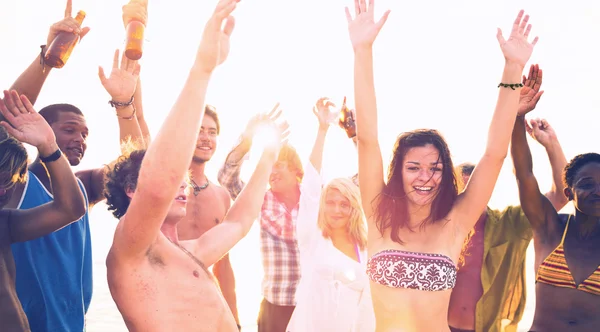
(555, 271)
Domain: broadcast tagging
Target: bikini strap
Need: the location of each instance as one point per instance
(565, 232)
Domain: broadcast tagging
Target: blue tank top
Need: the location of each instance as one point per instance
(54, 272)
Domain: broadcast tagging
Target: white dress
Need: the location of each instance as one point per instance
(333, 293)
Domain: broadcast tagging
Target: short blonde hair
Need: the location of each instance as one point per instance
(356, 226)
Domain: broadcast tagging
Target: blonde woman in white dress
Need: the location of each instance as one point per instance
(333, 294)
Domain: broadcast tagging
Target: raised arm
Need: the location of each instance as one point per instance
(163, 168)
(120, 85)
(323, 114)
(229, 174)
(30, 82)
(138, 10)
(363, 31)
(310, 188)
(68, 204)
(543, 133)
(473, 200)
(216, 242)
(535, 205)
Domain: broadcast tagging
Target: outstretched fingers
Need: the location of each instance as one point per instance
(229, 25)
(500, 37)
(101, 75)
(9, 104)
(69, 8)
(517, 22)
(527, 31)
(537, 97)
(27, 104)
(116, 60)
(7, 112)
(224, 9)
(18, 102)
(538, 80)
(383, 19)
(362, 5)
(523, 25)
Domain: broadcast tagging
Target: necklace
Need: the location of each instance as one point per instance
(198, 188)
(196, 260)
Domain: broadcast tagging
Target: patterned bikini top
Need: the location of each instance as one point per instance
(413, 270)
(555, 271)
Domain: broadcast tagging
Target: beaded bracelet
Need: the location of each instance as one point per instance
(512, 86)
(128, 117)
(116, 104)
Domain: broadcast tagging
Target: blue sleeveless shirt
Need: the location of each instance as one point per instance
(54, 272)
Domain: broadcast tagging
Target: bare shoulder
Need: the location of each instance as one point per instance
(124, 242)
(223, 195)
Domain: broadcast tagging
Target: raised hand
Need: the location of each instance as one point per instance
(541, 131)
(68, 24)
(282, 133)
(123, 79)
(363, 29)
(214, 47)
(530, 93)
(25, 124)
(322, 110)
(135, 10)
(516, 48)
(260, 119)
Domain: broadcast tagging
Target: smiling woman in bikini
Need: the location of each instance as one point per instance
(417, 221)
(567, 247)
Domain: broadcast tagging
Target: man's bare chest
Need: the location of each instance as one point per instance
(203, 212)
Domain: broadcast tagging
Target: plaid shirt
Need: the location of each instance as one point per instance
(279, 248)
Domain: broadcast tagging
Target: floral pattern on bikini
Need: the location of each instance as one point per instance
(412, 270)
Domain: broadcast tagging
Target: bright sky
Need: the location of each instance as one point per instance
(437, 66)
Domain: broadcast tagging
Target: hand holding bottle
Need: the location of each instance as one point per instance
(135, 10)
(346, 120)
(67, 24)
(135, 16)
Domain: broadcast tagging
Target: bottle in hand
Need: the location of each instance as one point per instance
(347, 120)
(61, 47)
(135, 40)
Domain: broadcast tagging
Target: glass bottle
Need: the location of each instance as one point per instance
(347, 120)
(135, 39)
(60, 49)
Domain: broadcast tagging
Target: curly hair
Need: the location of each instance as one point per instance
(391, 206)
(576, 164)
(120, 178)
(13, 159)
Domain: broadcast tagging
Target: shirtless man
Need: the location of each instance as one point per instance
(158, 282)
(208, 204)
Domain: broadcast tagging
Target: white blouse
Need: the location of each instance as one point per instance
(333, 293)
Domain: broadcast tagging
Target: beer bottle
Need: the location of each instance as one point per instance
(347, 120)
(135, 39)
(60, 49)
